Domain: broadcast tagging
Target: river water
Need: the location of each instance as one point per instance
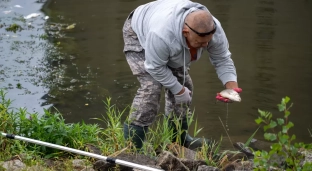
(270, 41)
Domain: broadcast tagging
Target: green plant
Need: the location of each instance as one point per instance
(284, 145)
(158, 137)
(113, 133)
(14, 27)
(48, 128)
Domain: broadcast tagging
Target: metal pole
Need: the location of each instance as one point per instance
(110, 160)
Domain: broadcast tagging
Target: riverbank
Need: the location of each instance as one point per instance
(158, 150)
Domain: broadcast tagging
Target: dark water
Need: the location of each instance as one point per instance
(270, 41)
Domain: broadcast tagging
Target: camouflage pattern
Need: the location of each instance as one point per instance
(146, 103)
(131, 41)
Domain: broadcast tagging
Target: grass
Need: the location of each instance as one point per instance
(52, 128)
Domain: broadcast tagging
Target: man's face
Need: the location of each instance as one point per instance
(197, 39)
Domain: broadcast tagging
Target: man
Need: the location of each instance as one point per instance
(161, 39)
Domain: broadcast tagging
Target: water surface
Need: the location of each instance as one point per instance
(270, 41)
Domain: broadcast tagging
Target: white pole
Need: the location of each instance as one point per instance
(110, 160)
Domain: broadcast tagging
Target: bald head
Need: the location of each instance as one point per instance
(200, 20)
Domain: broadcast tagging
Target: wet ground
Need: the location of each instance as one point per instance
(76, 68)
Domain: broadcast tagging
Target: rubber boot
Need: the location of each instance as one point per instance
(137, 133)
(186, 140)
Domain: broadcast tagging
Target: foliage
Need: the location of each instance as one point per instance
(48, 128)
(112, 135)
(14, 28)
(278, 131)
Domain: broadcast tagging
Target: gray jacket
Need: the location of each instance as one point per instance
(158, 25)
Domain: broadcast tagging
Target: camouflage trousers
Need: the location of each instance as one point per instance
(146, 103)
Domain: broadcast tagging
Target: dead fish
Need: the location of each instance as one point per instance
(230, 94)
(32, 15)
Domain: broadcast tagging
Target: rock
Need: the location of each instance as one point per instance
(13, 165)
(168, 161)
(307, 156)
(236, 156)
(78, 164)
(207, 168)
(93, 149)
(49, 162)
(88, 168)
(36, 168)
(260, 145)
(240, 165)
(246, 150)
(193, 164)
(102, 165)
(181, 152)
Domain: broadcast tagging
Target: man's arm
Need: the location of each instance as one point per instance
(220, 57)
(231, 85)
(156, 58)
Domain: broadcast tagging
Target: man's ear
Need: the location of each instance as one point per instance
(185, 32)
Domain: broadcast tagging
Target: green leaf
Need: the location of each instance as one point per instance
(289, 125)
(281, 107)
(280, 121)
(262, 113)
(272, 124)
(293, 137)
(284, 139)
(287, 99)
(277, 147)
(266, 127)
(287, 113)
(270, 136)
(250, 138)
(259, 120)
(284, 129)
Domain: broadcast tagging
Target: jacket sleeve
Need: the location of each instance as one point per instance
(157, 55)
(220, 56)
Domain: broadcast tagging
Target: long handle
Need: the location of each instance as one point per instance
(110, 160)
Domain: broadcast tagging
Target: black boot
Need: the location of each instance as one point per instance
(186, 140)
(137, 133)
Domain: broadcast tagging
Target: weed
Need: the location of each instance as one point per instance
(113, 134)
(49, 128)
(284, 142)
(14, 28)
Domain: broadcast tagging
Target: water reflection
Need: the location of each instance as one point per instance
(264, 74)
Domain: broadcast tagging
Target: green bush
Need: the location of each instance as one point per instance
(284, 146)
(49, 128)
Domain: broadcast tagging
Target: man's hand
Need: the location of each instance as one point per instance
(226, 100)
(184, 96)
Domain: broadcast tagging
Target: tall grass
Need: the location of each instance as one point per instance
(48, 128)
(112, 136)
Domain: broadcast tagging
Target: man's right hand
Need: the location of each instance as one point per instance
(183, 97)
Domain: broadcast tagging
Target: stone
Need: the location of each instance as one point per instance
(78, 164)
(193, 164)
(168, 161)
(13, 165)
(207, 168)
